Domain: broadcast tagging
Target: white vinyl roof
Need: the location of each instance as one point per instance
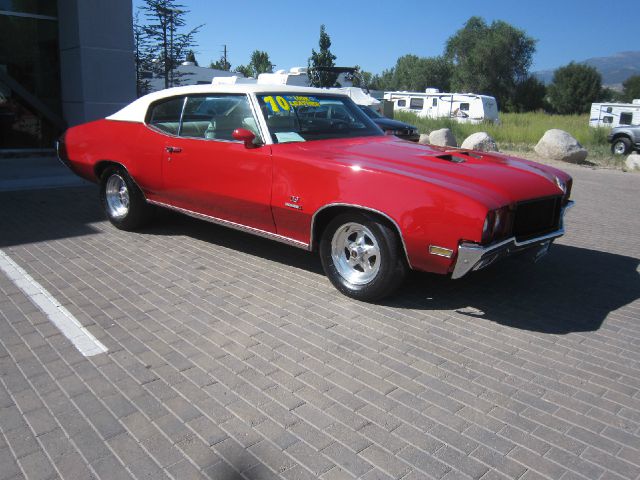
(136, 111)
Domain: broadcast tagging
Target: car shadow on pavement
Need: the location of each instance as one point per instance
(32, 216)
(171, 223)
(571, 290)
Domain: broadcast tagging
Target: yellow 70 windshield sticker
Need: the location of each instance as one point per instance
(279, 102)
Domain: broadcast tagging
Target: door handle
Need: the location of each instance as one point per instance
(173, 149)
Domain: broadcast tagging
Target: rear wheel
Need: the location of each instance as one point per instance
(122, 200)
(621, 146)
(362, 256)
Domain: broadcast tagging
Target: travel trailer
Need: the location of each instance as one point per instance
(462, 107)
(615, 114)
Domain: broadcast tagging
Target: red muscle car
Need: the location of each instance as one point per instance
(307, 167)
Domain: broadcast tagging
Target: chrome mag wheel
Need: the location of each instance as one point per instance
(355, 253)
(619, 148)
(117, 197)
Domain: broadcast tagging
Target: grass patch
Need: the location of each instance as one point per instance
(516, 128)
(520, 132)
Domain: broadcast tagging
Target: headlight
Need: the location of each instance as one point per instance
(497, 225)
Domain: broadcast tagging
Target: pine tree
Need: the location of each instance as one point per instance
(320, 61)
(191, 57)
(143, 58)
(167, 41)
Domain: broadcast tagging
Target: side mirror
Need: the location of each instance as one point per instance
(246, 136)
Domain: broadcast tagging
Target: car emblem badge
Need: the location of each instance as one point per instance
(293, 203)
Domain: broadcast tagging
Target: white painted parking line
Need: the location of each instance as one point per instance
(70, 327)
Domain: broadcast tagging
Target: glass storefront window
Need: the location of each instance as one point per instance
(37, 7)
(29, 77)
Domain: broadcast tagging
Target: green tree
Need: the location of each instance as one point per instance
(318, 77)
(529, 96)
(191, 57)
(143, 57)
(574, 88)
(610, 95)
(490, 59)
(245, 70)
(361, 78)
(221, 64)
(416, 74)
(167, 39)
(260, 63)
(631, 88)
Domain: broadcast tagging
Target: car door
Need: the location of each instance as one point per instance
(206, 171)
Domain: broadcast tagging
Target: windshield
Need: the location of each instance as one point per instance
(300, 118)
(370, 112)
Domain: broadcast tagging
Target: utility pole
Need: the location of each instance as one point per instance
(224, 57)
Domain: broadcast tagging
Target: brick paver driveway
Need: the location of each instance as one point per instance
(232, 357)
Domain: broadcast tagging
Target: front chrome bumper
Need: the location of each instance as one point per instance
(472, 256)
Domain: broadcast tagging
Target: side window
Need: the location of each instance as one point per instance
(166, 115)
(435, 102)
(215, 117)
(416, 103)
(607, 119)
(464, 107)
(402, 103)
(626, 118)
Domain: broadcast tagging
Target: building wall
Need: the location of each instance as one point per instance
(97, 67)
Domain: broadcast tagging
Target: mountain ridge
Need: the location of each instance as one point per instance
(615, 68)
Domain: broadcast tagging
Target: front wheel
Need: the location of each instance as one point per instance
(122, 200)
(621, 146)
(362, 256)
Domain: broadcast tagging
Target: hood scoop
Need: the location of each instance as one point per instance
(450, 158)
(457, 156)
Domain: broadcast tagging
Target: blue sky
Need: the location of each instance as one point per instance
(373, 34)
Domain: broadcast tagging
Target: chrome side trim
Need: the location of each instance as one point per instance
(360, 207)
(234, 225)
(471, 255)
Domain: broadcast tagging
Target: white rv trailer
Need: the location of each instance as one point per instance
(462, 107)
(615, 114)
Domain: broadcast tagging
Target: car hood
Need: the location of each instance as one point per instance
(491, 178)
(390, 124)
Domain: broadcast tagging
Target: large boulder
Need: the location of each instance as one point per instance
(424, 138)
(632, 162)
(443, 138)
(480, 141)
(559, 145)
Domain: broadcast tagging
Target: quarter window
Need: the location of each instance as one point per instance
(435, 102)
(166, 115)
(402, 103)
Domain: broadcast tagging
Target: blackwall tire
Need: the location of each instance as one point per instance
(362, 256)
(621, 146)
